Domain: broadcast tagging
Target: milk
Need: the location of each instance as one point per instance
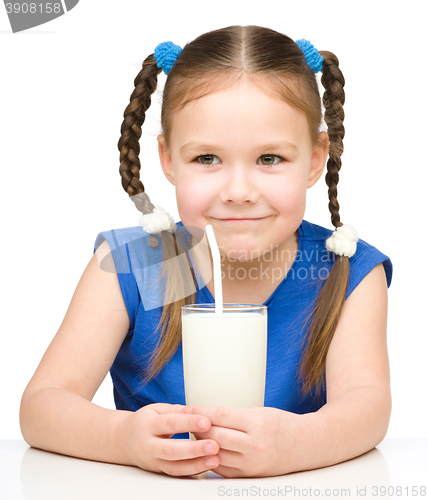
(224, 358)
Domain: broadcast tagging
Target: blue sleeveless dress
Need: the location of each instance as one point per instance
(137, 257)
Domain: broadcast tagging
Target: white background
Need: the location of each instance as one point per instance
(64, 87)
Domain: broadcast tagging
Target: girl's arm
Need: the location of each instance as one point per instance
(356, 416)
(269, 442)
(56, 410)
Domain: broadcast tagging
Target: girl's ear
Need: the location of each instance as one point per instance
(165, 159)
(318, 160)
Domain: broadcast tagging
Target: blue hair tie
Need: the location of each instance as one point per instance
(166, 54)
(312, 56)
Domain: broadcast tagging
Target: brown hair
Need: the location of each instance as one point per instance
(215, 61)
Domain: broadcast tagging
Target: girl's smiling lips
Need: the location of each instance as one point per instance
(241, 220)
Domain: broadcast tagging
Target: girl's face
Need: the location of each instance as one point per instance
(241, 161)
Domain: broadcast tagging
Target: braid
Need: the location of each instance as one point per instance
(129, 147)
(333, 100)
(329, 304)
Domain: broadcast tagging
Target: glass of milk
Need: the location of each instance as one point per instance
(224, 355)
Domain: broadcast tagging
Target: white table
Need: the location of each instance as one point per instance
(30, 474)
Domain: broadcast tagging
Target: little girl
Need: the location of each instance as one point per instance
(241, 142)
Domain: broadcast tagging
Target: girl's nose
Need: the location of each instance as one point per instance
(239, 187)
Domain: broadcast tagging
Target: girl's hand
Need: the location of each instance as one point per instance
(147, 438)
(254, 442)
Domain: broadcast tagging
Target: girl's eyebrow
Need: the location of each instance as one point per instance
(275, 146)
(270, 147)
(198, 146)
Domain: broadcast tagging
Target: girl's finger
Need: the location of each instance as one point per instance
(162, 408)
(228, 439)
(184, 449)
(174, 423)
(231, 459)
(228, 471)
(189, 467)
(233, 418)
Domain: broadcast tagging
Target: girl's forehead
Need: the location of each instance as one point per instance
(241, 108)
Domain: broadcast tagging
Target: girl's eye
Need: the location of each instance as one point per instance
(270, 159)
(208, 159)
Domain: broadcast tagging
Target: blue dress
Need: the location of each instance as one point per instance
(137, 257)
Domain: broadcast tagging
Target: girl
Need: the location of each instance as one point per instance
(241, 143)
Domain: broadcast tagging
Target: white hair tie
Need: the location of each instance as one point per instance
(343, 241)
(157, 221)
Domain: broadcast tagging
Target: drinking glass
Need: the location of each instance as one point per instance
(224, 355)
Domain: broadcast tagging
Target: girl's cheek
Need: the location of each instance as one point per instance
(287, 194)
(195, 188)
(191, 202)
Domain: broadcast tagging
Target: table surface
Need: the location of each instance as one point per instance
(397, 468)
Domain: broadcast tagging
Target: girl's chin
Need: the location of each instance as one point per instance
(242, 254)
